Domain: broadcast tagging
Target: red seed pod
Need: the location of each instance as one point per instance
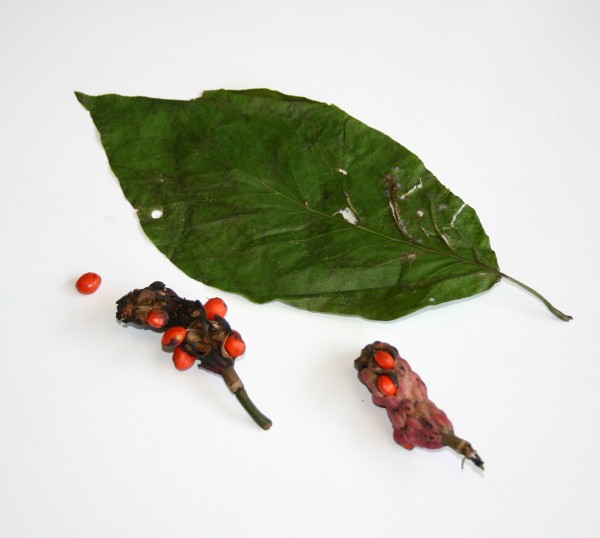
(183, 360)
(416, 420)
(173, 337)
(88, 283)
(157, 318)
(384, 360)
(215, 306)
(234, 345)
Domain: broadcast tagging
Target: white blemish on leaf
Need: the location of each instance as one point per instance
(420, 213)
(456, 215)
(156, 213)
(447, 240)
(342, 171)
(349, 215)
(419, 185)
(349, 212)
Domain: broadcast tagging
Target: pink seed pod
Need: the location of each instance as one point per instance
(416, 420)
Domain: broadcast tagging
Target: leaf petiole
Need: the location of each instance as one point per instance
(553, 309)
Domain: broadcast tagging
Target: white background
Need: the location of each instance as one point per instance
(101, 436)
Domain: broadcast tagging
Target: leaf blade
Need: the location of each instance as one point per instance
(278, 197)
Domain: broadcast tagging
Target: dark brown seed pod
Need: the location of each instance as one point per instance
(204, 338)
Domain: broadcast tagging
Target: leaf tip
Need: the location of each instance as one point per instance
(84, 99)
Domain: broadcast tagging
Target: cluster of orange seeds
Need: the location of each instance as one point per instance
(173, 338)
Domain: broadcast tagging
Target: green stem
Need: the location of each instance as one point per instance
(263, 421)
(550, 307)
(235, 385)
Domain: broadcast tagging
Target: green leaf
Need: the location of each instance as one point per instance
(281, 197)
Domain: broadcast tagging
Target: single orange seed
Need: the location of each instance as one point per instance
(234, 345)
(173, 337)
(157, 318)
(182, 359)
(384, 360)
(386, 385)
(215, 307)
(88, 283)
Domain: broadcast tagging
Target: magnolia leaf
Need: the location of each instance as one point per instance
(283, 198)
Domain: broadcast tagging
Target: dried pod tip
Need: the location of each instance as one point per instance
(462, 447)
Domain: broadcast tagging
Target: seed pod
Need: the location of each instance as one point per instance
(196, 337)
(416, 420)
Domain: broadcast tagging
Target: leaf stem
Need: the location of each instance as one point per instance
(235, 385)
(553, 309)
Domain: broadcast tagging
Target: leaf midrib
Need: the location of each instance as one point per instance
(364, 229)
